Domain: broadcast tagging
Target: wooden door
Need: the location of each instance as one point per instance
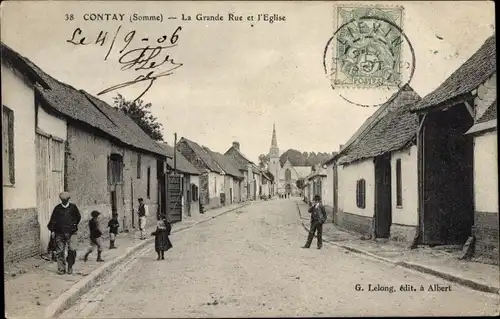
(174, 198)
(383, 198)
(50, 181)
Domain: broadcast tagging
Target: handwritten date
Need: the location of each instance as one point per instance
(153, 59)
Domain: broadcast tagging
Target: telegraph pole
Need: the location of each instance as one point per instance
(175, 153)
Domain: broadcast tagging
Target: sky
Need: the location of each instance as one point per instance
(238, 78)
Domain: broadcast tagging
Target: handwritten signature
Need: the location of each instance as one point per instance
(149, 58)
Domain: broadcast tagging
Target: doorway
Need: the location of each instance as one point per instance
(448, 193)
(383, 198)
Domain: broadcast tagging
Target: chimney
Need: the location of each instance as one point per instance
(236, 145)
(341, 147)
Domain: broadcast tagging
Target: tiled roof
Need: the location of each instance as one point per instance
(225, 163)
(203, 155)
(477, 69)
(182, 164)
(393, 131)
(83, 107)
(490, 114)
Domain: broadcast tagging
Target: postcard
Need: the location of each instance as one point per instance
(191, 159)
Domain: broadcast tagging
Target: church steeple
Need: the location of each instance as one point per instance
(274, 150)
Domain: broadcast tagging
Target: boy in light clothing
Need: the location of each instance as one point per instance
(143, 213)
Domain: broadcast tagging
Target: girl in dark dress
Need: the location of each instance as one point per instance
(162, 242)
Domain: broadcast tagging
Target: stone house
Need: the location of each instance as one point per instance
(267, 184)
(211, 175)
(232, 177)
(251, 173)
(190, 179)
(22, 230)
(457, 191)
(377, 174)
(92, 150)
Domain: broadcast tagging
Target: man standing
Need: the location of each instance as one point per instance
(318, 217)
(64, 224)
(143, 217)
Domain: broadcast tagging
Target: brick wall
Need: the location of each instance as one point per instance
(485, 230)
(21, 234)
(357, 223)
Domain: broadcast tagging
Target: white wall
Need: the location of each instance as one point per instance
(51, 125)
(407, 214)
(19, 96)
(328, 186)
(347, 181)
(486, 172)
(215, 184)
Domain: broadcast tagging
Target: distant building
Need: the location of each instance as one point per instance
(286, 175)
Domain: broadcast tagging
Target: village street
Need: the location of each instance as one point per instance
(250, 263)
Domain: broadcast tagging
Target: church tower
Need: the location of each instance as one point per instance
(274, 160)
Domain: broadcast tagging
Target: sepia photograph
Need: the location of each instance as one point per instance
(235, 159)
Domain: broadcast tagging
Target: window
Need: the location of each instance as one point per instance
(194, 192)
(288, 174)
(399, 184)
(148, 190)
(115, 169)
(215, 182)
(361, 193)
(139, 166)
(8, 145)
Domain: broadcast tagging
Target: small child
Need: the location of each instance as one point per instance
(162, 242)
(95, 236)
(113, 225)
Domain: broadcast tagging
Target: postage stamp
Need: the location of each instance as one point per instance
(368, 49)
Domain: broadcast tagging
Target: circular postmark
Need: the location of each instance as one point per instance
(369, 58)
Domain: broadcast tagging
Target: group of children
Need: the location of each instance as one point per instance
(162, 241)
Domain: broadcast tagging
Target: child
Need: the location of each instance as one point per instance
(113, 225)
(95, 236)
(162, 242)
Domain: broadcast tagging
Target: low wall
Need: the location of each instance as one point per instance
(21, 234)
(485, 230)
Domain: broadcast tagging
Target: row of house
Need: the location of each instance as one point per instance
(423, 170)
(58, 138)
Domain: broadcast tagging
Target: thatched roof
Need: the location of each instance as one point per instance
(95, 114)
(225, 163)
(395, 130)
(207, 160)
(182, 164)
(476, 70)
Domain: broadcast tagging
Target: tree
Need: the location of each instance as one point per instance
(141, 115)
(263, 161)
(300, 183)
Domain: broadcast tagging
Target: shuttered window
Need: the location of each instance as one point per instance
(8, 146)
(361, 193)
(399, 184)
(115, 169)
(139, 166)
(149, 183)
